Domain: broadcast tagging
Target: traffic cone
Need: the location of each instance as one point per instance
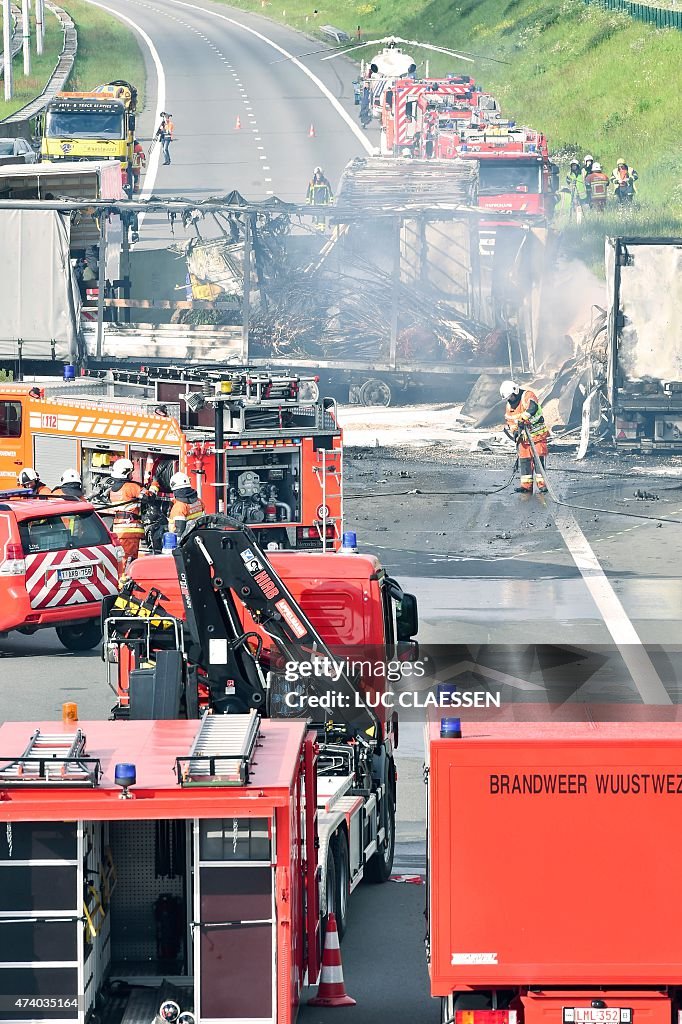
(237, 124)
(331, 990)
(311, 132)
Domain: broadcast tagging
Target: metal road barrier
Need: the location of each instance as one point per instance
(659, 17)
(59, 76)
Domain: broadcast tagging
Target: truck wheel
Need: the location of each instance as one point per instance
(329, 905)
(375, 392)
(342, 867)
(82, 636)
(379, 868)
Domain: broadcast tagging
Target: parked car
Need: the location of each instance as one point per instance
(58, 562)
(18, 147)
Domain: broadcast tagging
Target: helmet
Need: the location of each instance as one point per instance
(121, 469)
(588, 156)
(169, 1011)
(70, 476)
(179, 480)
(596, 166)
(508, 388)
(575, 163)
(317, 170)
(620, 162)
(186, 1018)
(26, 477)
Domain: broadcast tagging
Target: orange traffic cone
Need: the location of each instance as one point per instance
(237, 123)
(331, 990)
(311, 132)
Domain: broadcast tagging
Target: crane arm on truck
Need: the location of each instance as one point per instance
(220, 564)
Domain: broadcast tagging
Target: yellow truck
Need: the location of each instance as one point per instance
(96, 125)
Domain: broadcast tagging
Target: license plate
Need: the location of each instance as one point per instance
(81, 572)
(594, 1015)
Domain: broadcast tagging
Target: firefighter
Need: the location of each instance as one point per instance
(139, 163)
(164, 133)
(588, 164)
(125, 494)
(561, 217)
(70, 485)
(319, 190)
(624, 179)
(187, 506)
(29, 479)
(598, 184)
(576, 183)
(524, 413)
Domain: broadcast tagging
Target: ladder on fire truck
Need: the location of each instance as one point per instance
(52, 760)
(222, 751)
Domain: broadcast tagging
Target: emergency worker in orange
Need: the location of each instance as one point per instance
(29, 480)
(187, 506)
(524, 416)
(125, 494)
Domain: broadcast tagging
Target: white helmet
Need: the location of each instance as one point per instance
(169, 1011)
(121, 469)
(179, 480)
(508, 388)
(588, 156)
(596, 167)
(70, 476)
(317, 170)
(27, 476)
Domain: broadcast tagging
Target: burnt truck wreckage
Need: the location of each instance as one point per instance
(399, 290)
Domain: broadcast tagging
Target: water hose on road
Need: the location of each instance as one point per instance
(403, 494)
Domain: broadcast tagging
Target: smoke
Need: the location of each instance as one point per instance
(651, 300)
(569, 292)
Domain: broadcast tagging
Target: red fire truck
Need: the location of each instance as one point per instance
(553, 884)
(147, 860)
(406, 107)
(265, 447)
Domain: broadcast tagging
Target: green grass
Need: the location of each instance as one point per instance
(107, 50)
(28, 87)
(593, 80)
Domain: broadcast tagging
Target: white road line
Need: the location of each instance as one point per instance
(153, 162)
(343, 114)
(623, 633)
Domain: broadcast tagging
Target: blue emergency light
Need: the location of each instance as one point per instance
(69, 372)
(349, 541)
(450, 729)
(170, 541)
(125, 776)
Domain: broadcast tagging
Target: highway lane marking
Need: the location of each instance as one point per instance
(623, 633)
(153, 160)
(343, 114)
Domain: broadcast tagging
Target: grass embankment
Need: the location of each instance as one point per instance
(107, 50)
(593, 80)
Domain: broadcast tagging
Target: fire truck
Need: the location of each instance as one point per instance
(405, 109)
(544, 920)
(265, 447)
(201, 856)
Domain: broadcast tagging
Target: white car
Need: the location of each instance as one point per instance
(18, 147)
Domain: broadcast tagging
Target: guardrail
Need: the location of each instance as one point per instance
(59, 76)
(16, 39)
(659, 17)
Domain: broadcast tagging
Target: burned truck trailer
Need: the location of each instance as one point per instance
(642, 361)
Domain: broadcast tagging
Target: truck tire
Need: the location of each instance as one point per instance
(81, 636)
(330, 890)
(379, 868)
(342, 868)
(375, 392)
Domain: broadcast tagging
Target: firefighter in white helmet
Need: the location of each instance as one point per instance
(524, 416)
(125, 494)
(187, 506)
(70, 485)
(28, 479)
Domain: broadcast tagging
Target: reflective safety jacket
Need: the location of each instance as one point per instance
(320, 192)
(527, 412)
(599, 184)
(127, 518)
(186, 508)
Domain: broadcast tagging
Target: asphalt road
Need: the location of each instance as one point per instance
(213, 66)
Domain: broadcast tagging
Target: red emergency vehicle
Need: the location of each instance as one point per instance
(553, 881)
(159, 853)
(58, 562)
